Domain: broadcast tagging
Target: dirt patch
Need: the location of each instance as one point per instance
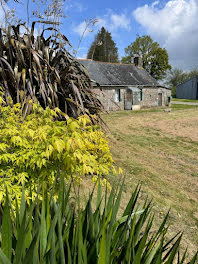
(187, 127)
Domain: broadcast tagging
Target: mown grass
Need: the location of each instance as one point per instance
(183, 106)
(184, 100)
(173, 107)
(160, 151)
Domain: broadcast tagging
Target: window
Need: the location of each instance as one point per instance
(140, 95)
(117, 95)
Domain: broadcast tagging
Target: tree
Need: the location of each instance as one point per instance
(155, 59)
(178, 76)
(192, 73)
(103, 47)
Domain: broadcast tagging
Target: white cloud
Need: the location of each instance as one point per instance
(120, 21)
(102, 22)
(79, 6)
(175, 27)
(81, 29)
(74, 6)
(155, 3)
(111, 21)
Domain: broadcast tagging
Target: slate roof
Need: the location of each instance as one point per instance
(118, 74)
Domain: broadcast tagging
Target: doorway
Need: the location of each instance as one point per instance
(128, 100)
(159, 99)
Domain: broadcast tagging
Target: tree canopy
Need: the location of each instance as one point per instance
(103, 47)
(155, 59)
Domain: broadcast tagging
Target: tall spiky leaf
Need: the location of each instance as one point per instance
(6, 232)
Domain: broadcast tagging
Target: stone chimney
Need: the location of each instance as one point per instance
(138, 61)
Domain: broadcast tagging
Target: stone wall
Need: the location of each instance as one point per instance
(150, 96)
(107, 97)
(166, 97)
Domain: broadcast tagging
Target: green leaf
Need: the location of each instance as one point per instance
(103, 248)
(22, 206)
(141, 246)
(194, 259)
(29, 254)
(117, 204)
(60, 239)
(99, 194)
(173, 251)
(6, 232)
(129, 248)
(132, 201)
(183, 258)
(69, 258)
(28, 238)
(3, 258)
(43, 232)
(20, 246)
(52, 249)
(153, 252)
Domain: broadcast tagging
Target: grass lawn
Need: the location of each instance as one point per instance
(183, 107)
(184, 100)
(160, 150)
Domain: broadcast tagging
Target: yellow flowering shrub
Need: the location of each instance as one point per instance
(39, 149)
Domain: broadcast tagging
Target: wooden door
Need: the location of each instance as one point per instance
(128, 100)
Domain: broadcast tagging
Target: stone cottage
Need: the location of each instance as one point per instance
(125, 86)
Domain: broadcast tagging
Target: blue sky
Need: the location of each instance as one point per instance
(172, 23)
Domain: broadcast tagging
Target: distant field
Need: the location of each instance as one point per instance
(160, 150)
(183, 107)
(185, 100)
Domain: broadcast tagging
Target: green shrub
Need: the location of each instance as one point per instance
(37, 149)
(50, 231)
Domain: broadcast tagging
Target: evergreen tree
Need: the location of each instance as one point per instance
(103, 47)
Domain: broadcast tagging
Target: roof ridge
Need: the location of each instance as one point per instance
(106, 62)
